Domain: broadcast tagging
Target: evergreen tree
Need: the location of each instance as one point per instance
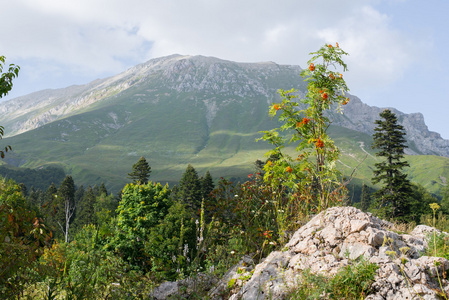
(103, 190)
(79, 194)
(393, 198)
(141, 171)
(49, 209)
(445, 199)
(189, 191)
(85, 213)
(207, 185)
(365, 198)
(66, 206)
(419, 202)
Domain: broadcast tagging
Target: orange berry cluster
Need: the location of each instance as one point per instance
(312, 67)
(304, 121)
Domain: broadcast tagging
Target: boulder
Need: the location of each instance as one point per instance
(335, 237)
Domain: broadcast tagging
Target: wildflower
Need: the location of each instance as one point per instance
(269, 163)
(250, 175)
(346, 101)
(312, 67)
(289, 169)
(276, 107)
(319, 143)
(331, 76)
(341, 76)
(330, 46)
(299, 124)
(305, 120)
(338, 46)
(324, 96)
(434, 206)
(232, 252)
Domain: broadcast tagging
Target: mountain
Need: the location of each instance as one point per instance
(177, 110)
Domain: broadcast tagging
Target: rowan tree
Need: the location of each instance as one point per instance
(5, 86)
(311, 176)
(392, 200)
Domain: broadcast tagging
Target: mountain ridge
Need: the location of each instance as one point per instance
(173, 110)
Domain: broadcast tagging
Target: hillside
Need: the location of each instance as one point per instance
(178, 110)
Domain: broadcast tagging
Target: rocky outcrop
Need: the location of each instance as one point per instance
(334, 238)
(360, 117)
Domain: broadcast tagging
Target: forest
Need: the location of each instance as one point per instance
(59, 240)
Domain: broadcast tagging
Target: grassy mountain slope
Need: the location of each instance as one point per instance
(175, 111)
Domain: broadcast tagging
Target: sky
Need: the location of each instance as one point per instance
(397, 48)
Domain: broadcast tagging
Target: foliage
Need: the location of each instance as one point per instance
(171, 244)
(85, 211)
(419, 201)
(439, 246)
(351, 282)
(311, 178)
(82, 269)
(38, 178)
(445, 200)
(189, 190)
(252, 215)
(207, 186)
(141, 171)
(66, 206)
(393, 197)
(365, 198)
(141, 208)
(5, 86)
(23, 237)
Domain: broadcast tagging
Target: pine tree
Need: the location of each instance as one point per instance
(189, 190)
(365, 198)
(393, 198)
(103, 190)
(207, 186)
(141, 171)
(85, 213)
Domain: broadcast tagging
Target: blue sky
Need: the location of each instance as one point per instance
(397, 47)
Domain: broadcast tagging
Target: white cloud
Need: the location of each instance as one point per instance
(96, 37)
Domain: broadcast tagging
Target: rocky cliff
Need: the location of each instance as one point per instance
(360, 117)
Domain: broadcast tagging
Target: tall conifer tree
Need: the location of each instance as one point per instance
(392, 199)
(189, 190)
(365, 198)
(207, 185)
(141, 171)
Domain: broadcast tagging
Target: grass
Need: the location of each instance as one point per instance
(351, 282)
(170, 128)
